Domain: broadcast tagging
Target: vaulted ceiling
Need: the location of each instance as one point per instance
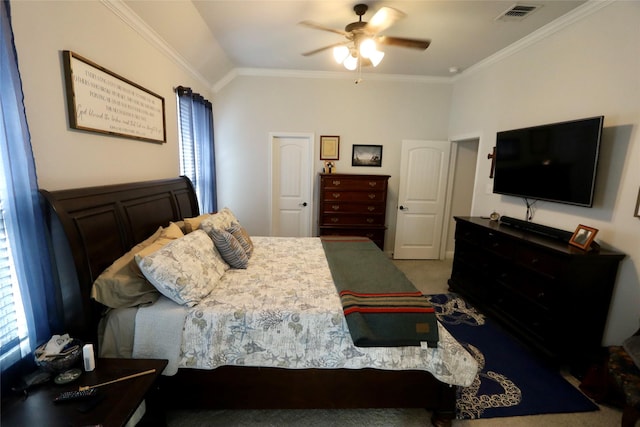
(216, 36)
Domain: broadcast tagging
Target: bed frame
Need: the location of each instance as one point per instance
(92, 227)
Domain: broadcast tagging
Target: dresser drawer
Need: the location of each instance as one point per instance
(354, 183)
(347, 219)
(540, 261)
(360, 208)
(539, 291)
(498, 244)
(353, 196)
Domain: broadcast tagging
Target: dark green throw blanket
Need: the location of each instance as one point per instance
(382, 307)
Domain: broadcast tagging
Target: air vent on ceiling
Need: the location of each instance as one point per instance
(517, 12)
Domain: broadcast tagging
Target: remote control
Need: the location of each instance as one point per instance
(75, 395)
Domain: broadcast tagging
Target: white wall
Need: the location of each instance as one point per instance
(68, 158)
(589, 68)
(372, 112)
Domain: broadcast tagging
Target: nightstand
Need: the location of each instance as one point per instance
(120, 399)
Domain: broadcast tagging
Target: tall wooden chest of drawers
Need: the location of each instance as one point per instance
(353, 205)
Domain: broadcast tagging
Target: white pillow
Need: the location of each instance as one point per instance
(185, 270)
(220, 220)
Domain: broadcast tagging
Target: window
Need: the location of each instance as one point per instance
(13, 332)
(28, 312)
(197, 159)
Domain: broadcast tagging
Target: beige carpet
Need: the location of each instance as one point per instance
(430, 277)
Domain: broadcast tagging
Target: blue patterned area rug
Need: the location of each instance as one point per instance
(512, 382)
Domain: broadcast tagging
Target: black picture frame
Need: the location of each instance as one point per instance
(366, 155)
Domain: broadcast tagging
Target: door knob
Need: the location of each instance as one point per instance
(303, 204)
(402, 208)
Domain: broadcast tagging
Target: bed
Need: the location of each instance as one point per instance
(92, 227)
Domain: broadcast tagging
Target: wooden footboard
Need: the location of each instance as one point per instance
(232, 387)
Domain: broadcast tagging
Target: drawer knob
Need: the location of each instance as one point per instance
(334, 219)
(335, 207)
(370, 220)
(372, 183)
(371, 208)
(336, 195)
(535, 261)
(372, 196)
(369, 235)
(336, 182)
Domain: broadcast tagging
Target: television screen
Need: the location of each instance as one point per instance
(555, 162)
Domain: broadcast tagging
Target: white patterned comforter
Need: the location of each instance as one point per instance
(284, 311)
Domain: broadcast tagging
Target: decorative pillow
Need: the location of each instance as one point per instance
(184, 270)
(220, 221)
(120, 286)
(229, 248)
(241, 234)
(191, 224)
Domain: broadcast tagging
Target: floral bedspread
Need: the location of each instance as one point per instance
(284, 311)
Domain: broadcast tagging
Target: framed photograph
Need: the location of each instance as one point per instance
(329, 147)
(637, 212)
(583, 236)
(367, 155)
(101, 101)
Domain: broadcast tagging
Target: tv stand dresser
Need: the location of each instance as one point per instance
(550, 295)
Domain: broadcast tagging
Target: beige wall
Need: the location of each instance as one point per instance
(68, 158)
(372, 112)
(589, 68)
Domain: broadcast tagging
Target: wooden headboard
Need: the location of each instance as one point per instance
(91, 227)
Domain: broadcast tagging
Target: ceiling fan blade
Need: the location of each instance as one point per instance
(383, 19)
(321, 27)
(313, 52)
(402, 42)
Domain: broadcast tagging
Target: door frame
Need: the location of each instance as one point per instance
(455, 141)
(310, 137)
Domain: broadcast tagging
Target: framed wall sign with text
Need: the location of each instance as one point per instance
(99, 100)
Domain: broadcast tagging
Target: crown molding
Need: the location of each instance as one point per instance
(129, 17)
(542, 33)
(338, 75)
(120, 9)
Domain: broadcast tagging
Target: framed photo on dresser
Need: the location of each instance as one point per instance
(583, 236)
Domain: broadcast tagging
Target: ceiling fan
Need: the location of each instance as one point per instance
(363, 38)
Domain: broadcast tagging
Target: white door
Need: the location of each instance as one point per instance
(291, 184)
(424, 168)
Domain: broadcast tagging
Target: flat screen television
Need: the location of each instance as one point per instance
(555, 162)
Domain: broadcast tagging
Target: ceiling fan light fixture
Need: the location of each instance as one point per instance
(340, 53)
(367, 47)
(351, 63)
(376, 57)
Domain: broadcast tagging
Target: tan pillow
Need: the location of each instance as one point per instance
(119, 286)
(168, 234)
(192, 224)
